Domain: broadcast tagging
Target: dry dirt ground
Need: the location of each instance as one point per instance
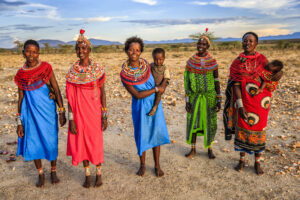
(197, 178)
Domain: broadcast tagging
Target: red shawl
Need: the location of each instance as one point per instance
(247, 66)
(32, 79)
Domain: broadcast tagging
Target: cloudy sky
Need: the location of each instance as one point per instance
(115, 20)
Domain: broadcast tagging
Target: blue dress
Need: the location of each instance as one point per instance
(40, 126)
(149, 131)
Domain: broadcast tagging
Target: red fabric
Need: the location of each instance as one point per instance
(248, 69)
(31, 79)
(87, 144)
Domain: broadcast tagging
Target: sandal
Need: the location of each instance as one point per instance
(3, 152)
(12, 157)
(12, 143)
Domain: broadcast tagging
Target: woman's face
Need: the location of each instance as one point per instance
(202, 46)
(134, 51)
(82, 50)
(249, 43)
(31, 53)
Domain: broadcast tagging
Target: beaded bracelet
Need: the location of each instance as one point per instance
(61, 109)
(104, 115)
(104, 109)
(19, 121)
(216, 79)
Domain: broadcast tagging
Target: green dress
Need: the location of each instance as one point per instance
(199, 85)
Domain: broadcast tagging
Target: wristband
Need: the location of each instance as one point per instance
(70, 116)
(156, 89)
(239, 103)
(19, 121)
(187, 99)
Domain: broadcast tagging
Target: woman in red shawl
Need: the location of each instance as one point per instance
(246, 112)
(87, 111)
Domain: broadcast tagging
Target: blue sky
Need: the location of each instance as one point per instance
(115, 20)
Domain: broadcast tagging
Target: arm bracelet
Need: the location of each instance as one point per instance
(187, 99)
(156, 89)
(19, 121)
(70, 116)
(239, 103)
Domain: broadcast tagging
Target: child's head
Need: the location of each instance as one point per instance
(134, 46)
(31, 50)
(158, 55)
(274, 66)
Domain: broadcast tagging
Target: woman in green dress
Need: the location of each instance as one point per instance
(203, 98)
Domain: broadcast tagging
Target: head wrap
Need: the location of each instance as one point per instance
(205, 38)
(83, 39)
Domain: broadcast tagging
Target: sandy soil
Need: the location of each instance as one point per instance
(197, 178)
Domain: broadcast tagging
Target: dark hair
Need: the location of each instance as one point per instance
(132, 40)
(251, 33)
(157, 51)
(277, 63)
(31, 42)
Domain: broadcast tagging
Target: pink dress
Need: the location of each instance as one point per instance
(85, 101)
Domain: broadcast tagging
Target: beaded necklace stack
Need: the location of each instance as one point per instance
(137, 75)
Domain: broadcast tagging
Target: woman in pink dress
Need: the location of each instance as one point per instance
(87, 111)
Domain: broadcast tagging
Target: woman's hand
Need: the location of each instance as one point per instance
(20, 131)
(277, 76)
(73, 127)
(161, 89)
(104, 124)
(62, 119)
(243, 113)
(188, 107)
(52, 96)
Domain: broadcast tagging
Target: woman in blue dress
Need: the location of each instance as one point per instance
(37, 118)
(149, 131)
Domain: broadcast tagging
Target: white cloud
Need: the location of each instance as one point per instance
(266, 7)
(148, 2)
(199, 3)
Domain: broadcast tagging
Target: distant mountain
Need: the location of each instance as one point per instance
(56, 43)
(295, 35)
(52, 43)
(186, 40)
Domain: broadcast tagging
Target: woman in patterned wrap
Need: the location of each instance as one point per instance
(245, 111)
(203, 98)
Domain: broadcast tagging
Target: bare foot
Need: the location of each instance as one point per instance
(240, 166)
(87, 182)
(141, 171)
(54, 179)
(159, 172)
(98, 181)
(152, 112)
(41, 181)
(211, 154)
(191, 154)
(258, 170)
